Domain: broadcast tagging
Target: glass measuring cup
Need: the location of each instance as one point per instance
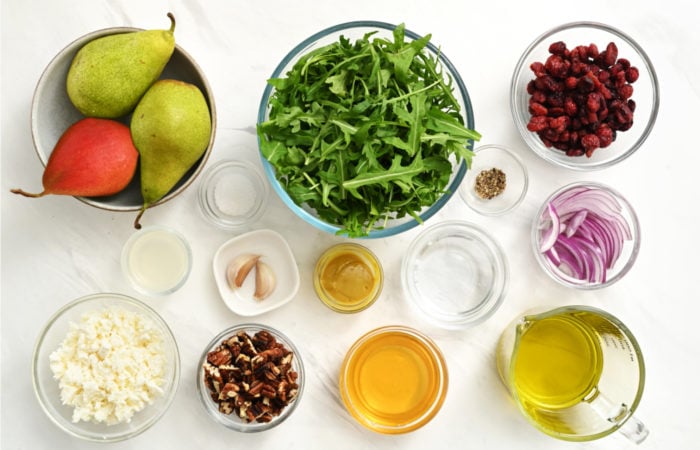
(575, 372)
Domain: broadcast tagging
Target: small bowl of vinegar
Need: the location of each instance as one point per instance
(393, 380)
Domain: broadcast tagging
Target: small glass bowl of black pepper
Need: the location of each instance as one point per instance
(250, 378)
(496, 182)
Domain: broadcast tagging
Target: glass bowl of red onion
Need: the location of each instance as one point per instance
(586, 235)
(584, 96)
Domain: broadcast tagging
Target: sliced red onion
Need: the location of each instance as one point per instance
(550, 235)
(583, 233)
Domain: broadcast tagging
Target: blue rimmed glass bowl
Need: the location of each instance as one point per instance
(353, 31)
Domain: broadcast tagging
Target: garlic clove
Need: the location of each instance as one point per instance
(239, 268)
(265, 281)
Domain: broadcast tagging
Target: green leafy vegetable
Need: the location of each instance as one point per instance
(363, 132)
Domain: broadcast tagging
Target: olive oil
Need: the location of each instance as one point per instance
(558, 365)
(393, 381)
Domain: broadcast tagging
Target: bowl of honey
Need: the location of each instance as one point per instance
(393, 380)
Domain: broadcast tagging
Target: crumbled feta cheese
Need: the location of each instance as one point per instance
(110, 365)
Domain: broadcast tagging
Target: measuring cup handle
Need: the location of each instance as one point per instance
(634, 430)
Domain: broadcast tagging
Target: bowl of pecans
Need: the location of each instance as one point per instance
(250, 378)
(584, 96)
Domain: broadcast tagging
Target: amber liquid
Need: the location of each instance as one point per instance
(348, 278)
(391, 381)
(558, 364)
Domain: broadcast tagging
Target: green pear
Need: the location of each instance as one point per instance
(109, 75)
(171, 128)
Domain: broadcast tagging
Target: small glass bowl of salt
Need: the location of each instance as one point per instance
(233, 194)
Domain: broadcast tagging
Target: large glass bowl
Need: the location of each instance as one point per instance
(455, 274)
(355, 30)
(47, 388)
(646, 93)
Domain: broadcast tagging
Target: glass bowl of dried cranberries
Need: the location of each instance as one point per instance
(584, 96)
(250, 378)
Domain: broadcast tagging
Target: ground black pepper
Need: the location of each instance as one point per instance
(490, 183)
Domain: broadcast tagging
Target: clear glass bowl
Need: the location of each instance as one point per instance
(233, 421)
(646, 93)
(156, 260)
(488, 157)
(455, 274)
(233, 194)
(372, 394)
(47, 388)
(52, 113)
(357, 266)
(628, 251)
(355, 30)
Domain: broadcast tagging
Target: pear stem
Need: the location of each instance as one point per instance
(137, 223)
(27, 194)
(172, 22)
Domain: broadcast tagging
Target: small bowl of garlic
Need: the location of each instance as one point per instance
(256, 272)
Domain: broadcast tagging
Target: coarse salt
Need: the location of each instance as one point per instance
(235, 195)
(110, 365)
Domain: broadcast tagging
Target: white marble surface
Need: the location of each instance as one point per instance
(56, 249)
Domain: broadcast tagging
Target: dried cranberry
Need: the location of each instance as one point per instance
(590, 141)
(585, 84)
(558, 48)
(555, 99)
(531, 88)
(574, 152)
(626, 126)
(624, 62)
(538, 69)
(593, 101)
(537, 109)
(626, 91)
(539, 97)
(593, 51)
(632, 74)
(605, 135)
(605, 92)
(559, 124)
(537, 123)
(619, 79)
(555, 66)
(610, 54)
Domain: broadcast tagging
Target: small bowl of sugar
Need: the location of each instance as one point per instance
(233, 194)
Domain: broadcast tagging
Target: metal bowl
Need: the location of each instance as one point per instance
(52, 113)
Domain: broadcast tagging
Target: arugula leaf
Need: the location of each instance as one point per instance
(365, 131)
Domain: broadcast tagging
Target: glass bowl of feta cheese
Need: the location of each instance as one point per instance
(105, 367)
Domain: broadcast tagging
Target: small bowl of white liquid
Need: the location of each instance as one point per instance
(156, 260)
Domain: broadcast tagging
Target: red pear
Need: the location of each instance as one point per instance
(94, 157)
